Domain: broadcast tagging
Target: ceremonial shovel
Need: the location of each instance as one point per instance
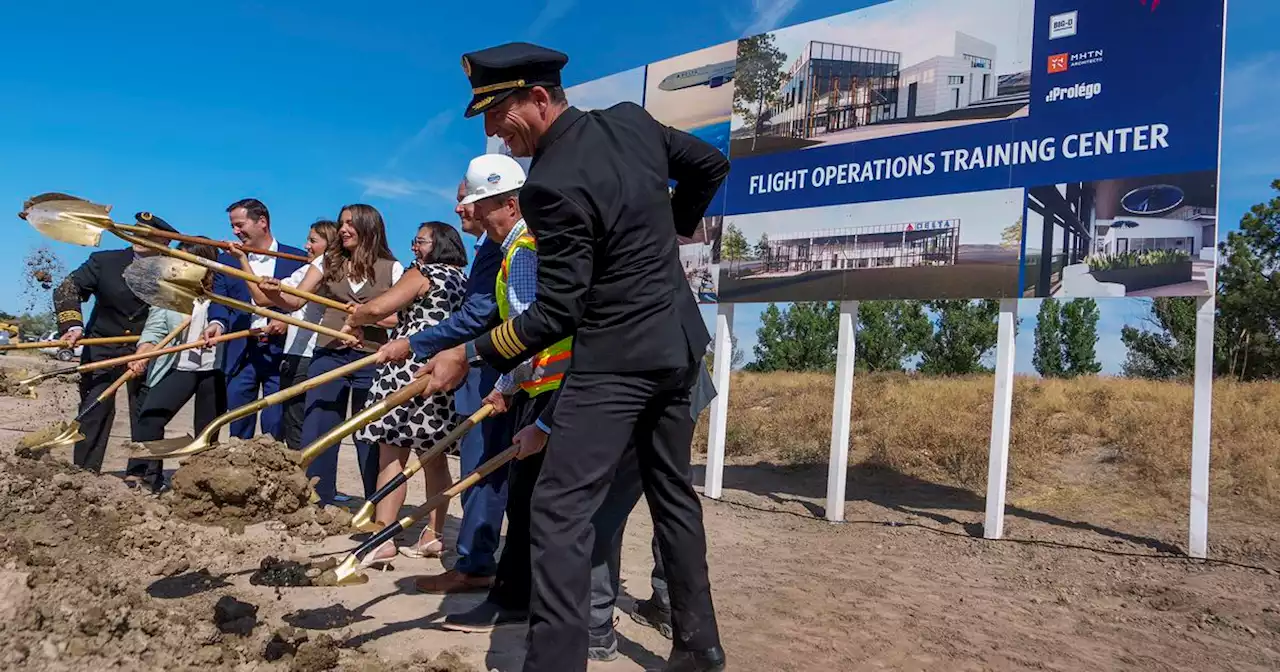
(345, 573)
(68, 434)
(176, 284)
(77, 221)
(363, 520)
(186, 446)
(82, 222)
(27, 386)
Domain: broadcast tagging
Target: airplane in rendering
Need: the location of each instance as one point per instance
(712, 75)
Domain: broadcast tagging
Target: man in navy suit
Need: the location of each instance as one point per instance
(251, 365)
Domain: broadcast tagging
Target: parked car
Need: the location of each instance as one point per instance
(61, 354)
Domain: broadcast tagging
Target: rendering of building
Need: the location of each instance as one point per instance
(930, 243)
(832, 87)
(1116, 217)
(945, 83)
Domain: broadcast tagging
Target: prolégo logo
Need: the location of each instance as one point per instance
(1083, 90)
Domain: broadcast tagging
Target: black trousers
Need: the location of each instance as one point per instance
(512, 584)
(164, 401)
(597, 416)
(292, 372)
(96, 426)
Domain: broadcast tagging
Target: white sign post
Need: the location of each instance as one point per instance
(1198, 543)
(714, 479)
(1001, 421)
(842, 411)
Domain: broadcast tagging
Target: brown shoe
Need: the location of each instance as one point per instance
(452, 581)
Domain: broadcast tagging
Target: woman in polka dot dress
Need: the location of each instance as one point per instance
(424, 296)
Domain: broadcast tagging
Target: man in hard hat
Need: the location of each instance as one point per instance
(493, 184)
(609, 276)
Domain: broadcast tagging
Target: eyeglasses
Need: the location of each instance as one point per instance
(419, 242)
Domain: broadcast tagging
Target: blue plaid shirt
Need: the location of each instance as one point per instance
(522, 286)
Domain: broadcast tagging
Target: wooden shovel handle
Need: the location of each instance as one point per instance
(204, 342)
(230, 270)
(287, 319)
(104, 340)
(201, 240)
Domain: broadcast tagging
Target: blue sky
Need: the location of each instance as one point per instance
(182, 108)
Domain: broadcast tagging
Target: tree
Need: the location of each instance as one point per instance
(1249, 295)
(37, 324)
(1011, 236)
(888, 333)
(761, 250)
(1079, 326)
(1167, 351)
(801, 338)
(966, 331)
(733, 246)
(756, 78)
(735, 358)
(1047, 357)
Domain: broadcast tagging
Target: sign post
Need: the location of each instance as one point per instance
(1001, 421)
(1198, 542)
(842, 411)
(720, 407)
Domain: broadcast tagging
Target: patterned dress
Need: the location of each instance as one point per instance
(419, 423)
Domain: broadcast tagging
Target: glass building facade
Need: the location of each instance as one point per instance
(834, 87)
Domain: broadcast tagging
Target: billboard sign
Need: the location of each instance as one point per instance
(931, 149)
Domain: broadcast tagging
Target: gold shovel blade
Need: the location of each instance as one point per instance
(165, 282)
(363, 520)
(344, 574)
(59, 435)
(70, 221)
(183, 446)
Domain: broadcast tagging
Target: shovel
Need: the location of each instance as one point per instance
(176, 284)
(74, 220)
(355, 422)
(27, 386)
(346, 573)
(186, 446)
(56, 218)
(363, 520)
(104, 340)
(69, 434)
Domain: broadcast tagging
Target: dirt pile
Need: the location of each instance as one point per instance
(9, 381)
(242, 482)
(77, 557)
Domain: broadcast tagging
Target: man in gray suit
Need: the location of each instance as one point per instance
(610, 523)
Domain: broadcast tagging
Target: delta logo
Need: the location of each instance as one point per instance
(1066, 61)
(1153, 3)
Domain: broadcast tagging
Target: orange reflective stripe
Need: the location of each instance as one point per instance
(544, 358)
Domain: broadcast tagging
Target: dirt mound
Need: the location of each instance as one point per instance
(76, 554)
(242, 482)
(9, 381)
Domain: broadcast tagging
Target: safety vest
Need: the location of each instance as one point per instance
(550, 365)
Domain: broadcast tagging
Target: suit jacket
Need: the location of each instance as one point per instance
(116, 310)
(238, 320)
(609, 270)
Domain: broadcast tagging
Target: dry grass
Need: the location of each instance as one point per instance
(1071, 437)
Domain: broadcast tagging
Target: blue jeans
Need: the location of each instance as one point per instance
(326, 408)
(483, 504)
(259, 368)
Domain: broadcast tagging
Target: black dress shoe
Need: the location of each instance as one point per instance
(485, 617)
(706, 660)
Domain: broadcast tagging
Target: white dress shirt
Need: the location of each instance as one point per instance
(302, 341)
(263, 266)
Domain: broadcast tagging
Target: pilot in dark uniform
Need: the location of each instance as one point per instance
(116, 312)
(609, 275)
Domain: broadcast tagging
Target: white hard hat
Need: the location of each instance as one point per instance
(490, 175)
